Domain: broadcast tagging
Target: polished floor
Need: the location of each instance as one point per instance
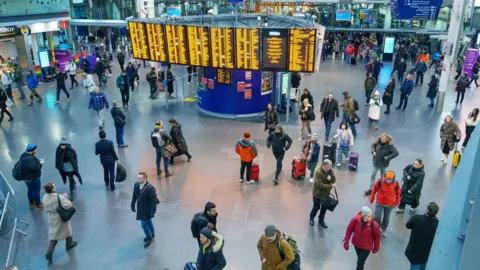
(109, 237)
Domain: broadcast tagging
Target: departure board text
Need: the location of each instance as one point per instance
(224, 76)
(221, 44)
(177, 45)
(247, 48)
(156, 42)
(198, 44)
(139, 40)
(302, 50)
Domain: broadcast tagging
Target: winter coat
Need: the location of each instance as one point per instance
(421, 67)
(178, 139)
(308, 96)
(105, 59)
(85, 64)
(19, 78)
(345, 137)
(71, 68)
(146, 201)
(98, 101)
(296, 80)
(306, 112)
(377, 66)
(211, 257)
(32, 82)
(387, 194)
(407, 87)
(31, 167)
(57, 229)
(99, 68)
(131, 71)
(401, 67)
(271, 253)
(151, 77)
(107, 153)
(3, 99)
(369, 68)
(388, 95)
(89, 84)
(374, 110)
(203, 222)
(348, 105)
(462, 84)
(423, 232)
(329, 110)
(385, 152)
(414, 184)
(122, 83)
(363, 237)
(449, 133)
(322, 183)
(60, 77)
(121, 57)
(65, 154)
(432, 88)
(315, 152)
(119, 117)
(246, 149)
(280, 142)
(271, 119)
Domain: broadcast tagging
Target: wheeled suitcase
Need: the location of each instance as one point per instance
(457, 156)
(255, 172)
(190, 266)
(353, 161)
(299, 168)
(353, 60)
(329, 151)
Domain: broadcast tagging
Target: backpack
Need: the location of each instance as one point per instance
(355, 104)
(295, 265)
(379, 185)
(17, 171)
(194, 226)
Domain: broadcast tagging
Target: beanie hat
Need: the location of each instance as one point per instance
(246, 135)
(31, 147)
(366, 211)
(207, 232)
(270, 230)
(326, 162)
(390, 175)
(377, 93)
(63, 141)
(209, 206)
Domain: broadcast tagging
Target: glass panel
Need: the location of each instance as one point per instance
(29, 7)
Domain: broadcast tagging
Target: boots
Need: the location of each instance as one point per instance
(51, 248)
(70, 243)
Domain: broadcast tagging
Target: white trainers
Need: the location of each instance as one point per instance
(250, 182)
(443, 159)
(300, 138)
(311, 180)
(241, 180)
(400, 210)
(339, 164)
(413, 209)
(384, 233)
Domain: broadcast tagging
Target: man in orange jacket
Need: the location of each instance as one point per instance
(247, 151)
(387, 191)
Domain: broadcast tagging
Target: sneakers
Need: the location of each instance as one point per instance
(123, 146)
(275, 182)
(250, 182)
(384, 233)
(241, 180)
(40, 206)
(312, 222)
(413, 209)
(444, 160)
(400, 211)
(339, 164)
(300, 138)
(311, 180)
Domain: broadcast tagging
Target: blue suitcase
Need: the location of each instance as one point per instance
(190, 266)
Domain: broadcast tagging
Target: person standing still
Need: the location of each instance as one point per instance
(159, 141)
(152, 81)
(31, 171)
(98, 102)
(386, 192)
(19, 80)
(60, 77)
(322, 185)
(421, 68)
(401, 68)
(119, 120)
(349, 108)
(406, 90)
(370, 83)
(71, 70)
(108, 157)
(387, 97)
(306, 116)
(280, 142)
(170, 80)
(123, 82)
(311, 152)
(247, 151)
(145, 197)
(329, 111)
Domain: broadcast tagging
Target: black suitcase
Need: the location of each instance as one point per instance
(330, 151)
(353, 60)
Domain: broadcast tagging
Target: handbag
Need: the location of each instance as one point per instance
(65, 214)
(121, 173)
(331, 202)
(169, 150)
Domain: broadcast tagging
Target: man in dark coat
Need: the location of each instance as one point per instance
(60, 77)
(207, 218)
(31, 170)
(270, 118)
(413, 176)
(307, 95)
(401, 68)
(423, 229)
(152, 81)
(170, 80)
(119, 120)
(66, 162)
(210, 254)
(108, 157)
(145, 196)
(85, 64)
(100, 70)
(329, 110)
(280, 142)
(296, 83)
(178, 140)
(121, 59)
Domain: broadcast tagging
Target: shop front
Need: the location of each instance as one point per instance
(8, 47)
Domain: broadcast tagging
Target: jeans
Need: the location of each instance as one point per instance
(403, 101)
(34, 93)
(317, 205)
(468, 132)
(153, 89)
(460, 94)
(279, 158)
(64, 90)
(248, 166)
(328, 126)
(125, 96)
(109, 176)
(348, 58)
(362, 256)
(374, 174)
(385, 210)
(119, 132)
(158, 160)
(33, 193)
(311, 167)
(400, 77)
(147, 226)
(352, 126)
(419, 76)
(20, 89)
(368, 93)
(422, 266)
(72, 79)
(432, 101)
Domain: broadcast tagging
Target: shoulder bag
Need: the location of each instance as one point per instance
(65, 214)
(331, 202)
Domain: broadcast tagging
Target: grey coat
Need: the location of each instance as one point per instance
(448, 132)
(57, 229)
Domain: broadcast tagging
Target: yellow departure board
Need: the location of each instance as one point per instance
(224, 75)
(198, 45)
(221, 45)
(247, 49)
(177, 44)
(302, 50)
(139, 40)
(156, 42)
(274, 49)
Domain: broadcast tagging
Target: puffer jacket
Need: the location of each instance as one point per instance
(280, 142)
(30, 166)
(449, 133)
(385, 152)
(322, 184)
(211, 257)
(32, 82)
(271, 253)
(363, 237)
(388, 194)
(246, 149)
(414, 184)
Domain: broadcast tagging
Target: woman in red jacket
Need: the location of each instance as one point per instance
(366, 235)
(387, 191)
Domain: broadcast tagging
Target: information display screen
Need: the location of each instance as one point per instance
(343, 15)
(156, 42)
(389, 45)
(139, 40)
(247, 49)
(302, 50)
(415, 10)
(177, 44)
(274, 49)
(224, 75)
(221, 45)
(198, 45)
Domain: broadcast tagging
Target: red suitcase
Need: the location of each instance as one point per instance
(299, 168)
(255, 172)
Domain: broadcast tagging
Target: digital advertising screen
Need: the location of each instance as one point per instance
(274, 49)
(177, 44)
(156, 42)
(389, 45)
(343, 15)
(139, 40)
(302, 45)
(247, 49)
(221, 46)
(198, 44)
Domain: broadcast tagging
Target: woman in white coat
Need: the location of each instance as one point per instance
(374, 111)
(57, 229)
(88, 83)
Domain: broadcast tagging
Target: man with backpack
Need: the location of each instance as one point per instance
(119, 120)
(350, 106)
(207, 218)
(159, 140)
(387, 192)
(29, 169)
(276, 251)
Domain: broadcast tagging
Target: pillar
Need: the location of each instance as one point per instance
(109, 36)
(388, 17)
(34, 41)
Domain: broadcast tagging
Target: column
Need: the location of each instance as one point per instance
(34, 40)
(388, 17)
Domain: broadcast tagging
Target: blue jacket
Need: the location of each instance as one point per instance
(436, 56)
(421, 67)
(407, 87)
(315, 153)
(131, 71)
(98, 101)
(211, 257)
(32, 81)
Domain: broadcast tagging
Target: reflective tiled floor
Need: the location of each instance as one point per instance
(109, 237)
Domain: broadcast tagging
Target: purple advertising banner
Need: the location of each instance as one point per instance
(470, 60)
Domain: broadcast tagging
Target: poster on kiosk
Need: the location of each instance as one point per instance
(388, 48)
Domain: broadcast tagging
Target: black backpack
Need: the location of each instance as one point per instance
(195, 225)
(121, 173)
(17, 171)
(355, 104)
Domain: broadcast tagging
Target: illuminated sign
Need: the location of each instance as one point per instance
(7, 31)
(389, 45)
(139, 40)
(224, 76)
(198, 45)
(177, 44)
(221, 45)
(274, 49)
(247, 49)
(156, 42)
(302, 50)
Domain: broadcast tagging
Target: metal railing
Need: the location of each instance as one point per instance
(8, 221)
(184, 88)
